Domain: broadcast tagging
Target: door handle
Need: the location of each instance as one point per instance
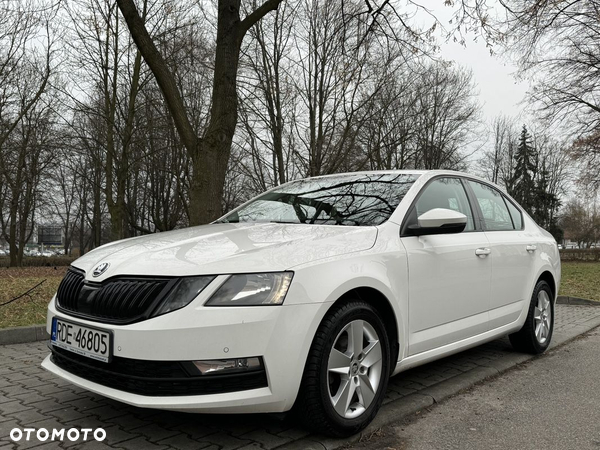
(531, 248)
(483, 251)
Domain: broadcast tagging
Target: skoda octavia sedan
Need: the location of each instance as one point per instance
(307, 297)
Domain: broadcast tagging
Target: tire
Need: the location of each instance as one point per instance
(363, 381)
(531, 338)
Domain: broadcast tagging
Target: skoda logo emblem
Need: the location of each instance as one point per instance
(100, 269)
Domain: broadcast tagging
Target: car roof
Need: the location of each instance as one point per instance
(430, 173)
(373, 172)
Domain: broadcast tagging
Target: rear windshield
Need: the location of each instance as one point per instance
(353, 200)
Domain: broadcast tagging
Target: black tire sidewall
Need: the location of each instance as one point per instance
(358, 311)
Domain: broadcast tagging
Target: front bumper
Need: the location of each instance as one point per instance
(251, 401)
(281, 335)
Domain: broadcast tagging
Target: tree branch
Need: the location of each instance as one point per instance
(259, 13)
(28, 105)
(23, 294)
(160, 69)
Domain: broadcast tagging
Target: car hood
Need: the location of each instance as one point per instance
(226, 248)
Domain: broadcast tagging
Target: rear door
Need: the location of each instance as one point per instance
(513, 252)
(449, 284)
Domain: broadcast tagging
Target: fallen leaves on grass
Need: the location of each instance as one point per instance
(31, 309)
(581, 279)
(27, 293)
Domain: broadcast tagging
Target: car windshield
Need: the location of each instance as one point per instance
(356, 200)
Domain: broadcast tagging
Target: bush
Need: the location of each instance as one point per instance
(40, 261)
(583, 254)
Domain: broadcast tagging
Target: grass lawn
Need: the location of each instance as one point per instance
(31, 309)
(581, 279)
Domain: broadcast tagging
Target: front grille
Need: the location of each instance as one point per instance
(69, 289)
(155, 378)
(117, 300)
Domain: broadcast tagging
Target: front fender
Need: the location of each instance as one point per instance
(383, 268)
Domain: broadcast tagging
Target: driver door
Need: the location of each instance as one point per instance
(449, 284)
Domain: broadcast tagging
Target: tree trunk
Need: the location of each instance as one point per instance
(120, 207)
(214, 149)
(67, 236)
(210, 154)
(12, 232)
(82, 227)
(97, 213)
(110, 107)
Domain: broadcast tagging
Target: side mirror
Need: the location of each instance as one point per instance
(439, 221)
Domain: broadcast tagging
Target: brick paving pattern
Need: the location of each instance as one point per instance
(30, 397)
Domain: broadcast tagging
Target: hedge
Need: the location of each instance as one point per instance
(40, 261)
(583, 254)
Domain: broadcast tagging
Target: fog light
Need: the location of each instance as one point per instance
(218, 366)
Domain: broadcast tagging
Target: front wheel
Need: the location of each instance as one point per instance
(536, 333)
(346, 372)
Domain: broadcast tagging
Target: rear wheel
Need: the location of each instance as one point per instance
(346, 372)
(536, 333)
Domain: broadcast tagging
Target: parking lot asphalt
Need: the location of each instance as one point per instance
(30, 397)
(548, 403)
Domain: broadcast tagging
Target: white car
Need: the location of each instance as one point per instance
(308, 297)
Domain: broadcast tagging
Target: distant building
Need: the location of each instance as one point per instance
(50, 235)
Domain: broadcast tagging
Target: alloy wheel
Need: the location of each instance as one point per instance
(543, 316)
(354, 369)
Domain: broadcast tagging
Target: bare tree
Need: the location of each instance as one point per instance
(153, 92)
(581, 221)
(336, 83)
(25, 118)
(210, 153)
(211, 150)
(447, 116)
(498, 162)
(65, 180)
(19, 24)
(389, 131)
(267, 94)
(31, 147)
(101, 52)
(558, 45)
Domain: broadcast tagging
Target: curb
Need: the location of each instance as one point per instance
(23, 335)
(562, 300)
(398, 410)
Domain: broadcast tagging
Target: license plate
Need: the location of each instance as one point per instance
(83, 340)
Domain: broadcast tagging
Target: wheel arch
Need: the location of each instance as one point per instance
(386, 311)
(548, 278)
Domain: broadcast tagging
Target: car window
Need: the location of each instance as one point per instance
(352, 200)
(491, 203)
(515, 214)
(265, 211)
(447, 193)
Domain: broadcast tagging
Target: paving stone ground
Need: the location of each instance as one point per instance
(30, 397)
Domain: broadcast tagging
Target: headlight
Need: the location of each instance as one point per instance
(252, 290)
(184, 292)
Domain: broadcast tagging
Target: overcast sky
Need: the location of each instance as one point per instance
(499, 91)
